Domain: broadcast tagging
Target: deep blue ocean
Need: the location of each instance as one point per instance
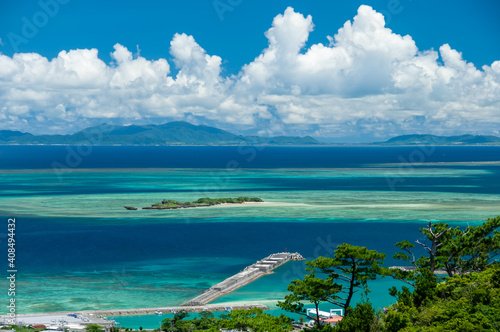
(37, 157)
(77, 248)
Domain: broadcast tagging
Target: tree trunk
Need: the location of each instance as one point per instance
(318, 321)
(351, 287)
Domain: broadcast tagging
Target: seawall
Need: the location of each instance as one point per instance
(141, 311)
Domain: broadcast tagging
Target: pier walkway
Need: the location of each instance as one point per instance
(249, 274)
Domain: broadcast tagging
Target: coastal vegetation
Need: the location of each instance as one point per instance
(240, 320)
(94, 328)
(346, 273)
(468, 302)
(173, 204)
(18, 328)
(454, 286)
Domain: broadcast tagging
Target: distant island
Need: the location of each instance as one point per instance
(180, 133)
(171, 133)
(168, 204)
(442, 140)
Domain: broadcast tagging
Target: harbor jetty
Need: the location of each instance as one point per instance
(249, 274)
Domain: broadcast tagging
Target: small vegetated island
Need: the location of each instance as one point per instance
(168, 204)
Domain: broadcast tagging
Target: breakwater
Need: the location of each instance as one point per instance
(141, 311)
(249, 274)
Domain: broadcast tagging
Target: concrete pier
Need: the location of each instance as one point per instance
(249, 274)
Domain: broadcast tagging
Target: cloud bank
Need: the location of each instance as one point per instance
(365, 81)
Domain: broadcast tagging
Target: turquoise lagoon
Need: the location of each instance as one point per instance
(79, 249)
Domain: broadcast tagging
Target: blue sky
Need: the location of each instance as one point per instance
(272, 68)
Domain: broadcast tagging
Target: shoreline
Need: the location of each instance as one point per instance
(204, 206)
(168, 204)
(145, 311)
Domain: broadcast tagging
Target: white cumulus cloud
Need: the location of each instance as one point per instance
(364, 81)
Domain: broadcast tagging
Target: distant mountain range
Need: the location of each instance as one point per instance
(172, 133)
(184, 133)
(442, 140)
